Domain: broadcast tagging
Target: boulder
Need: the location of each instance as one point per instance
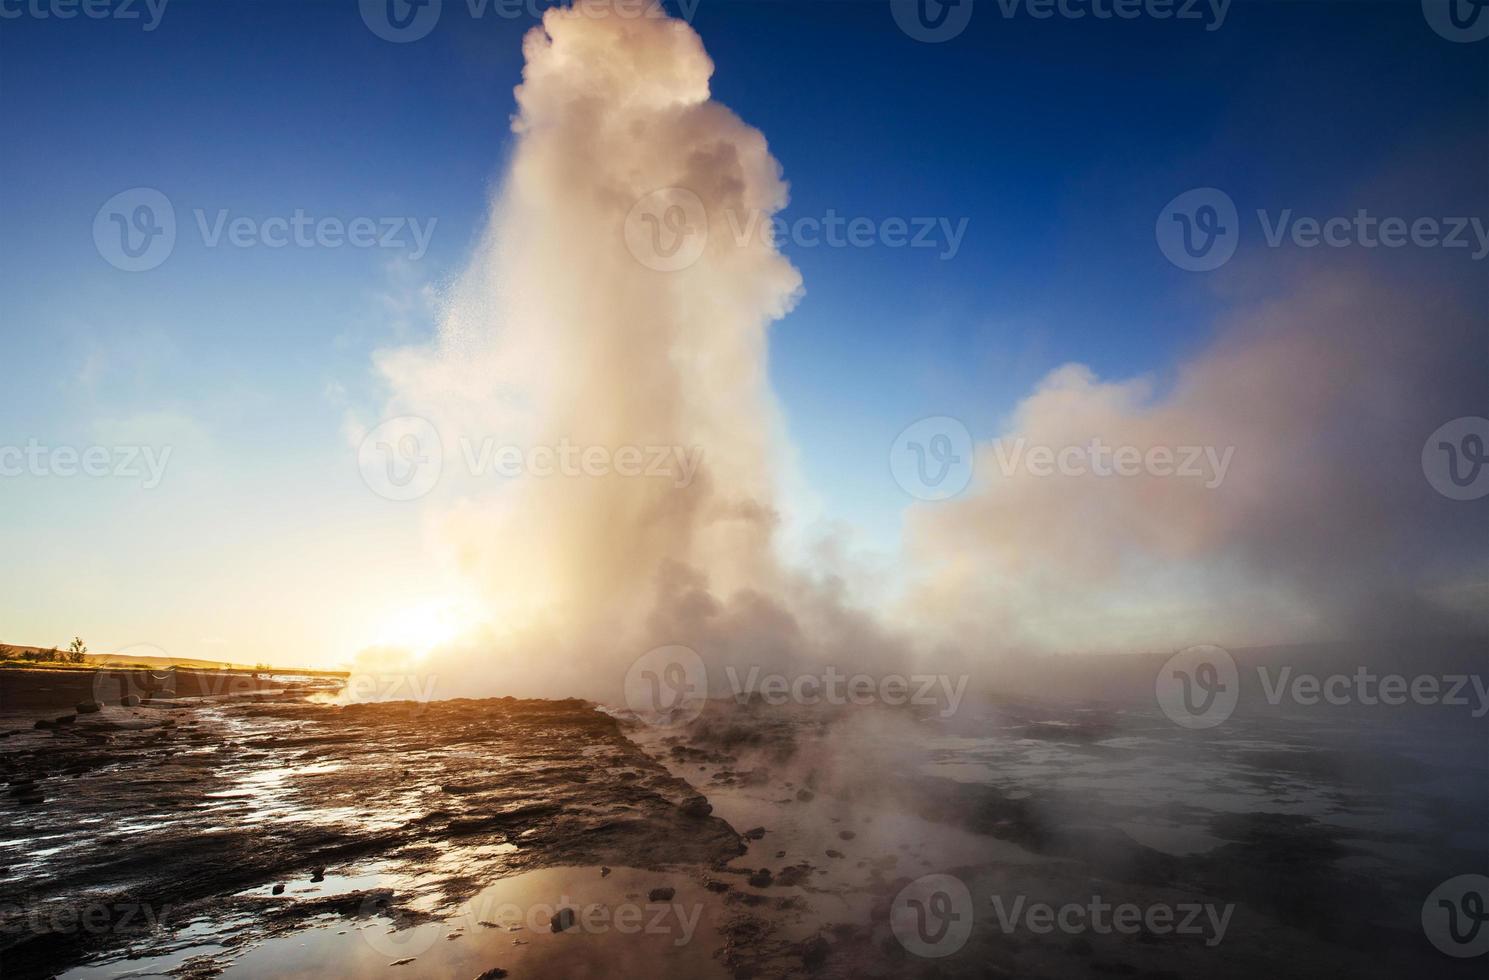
(562, 919)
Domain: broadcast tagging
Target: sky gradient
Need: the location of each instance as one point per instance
(1057, 143)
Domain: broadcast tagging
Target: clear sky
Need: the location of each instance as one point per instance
(1057, 141)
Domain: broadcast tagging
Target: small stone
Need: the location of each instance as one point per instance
(762, 878)
(804, 795)
(716, 886)
(661, 894)
(277, 890)
(130, 701)
(319, 874)
(846, 835)
(755, 833)
(696, 806)
(495, 973)
(604, 872)
(89, 707)
(834, 854)
(562, 919)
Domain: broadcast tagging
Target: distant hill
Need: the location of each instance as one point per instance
(10, 651)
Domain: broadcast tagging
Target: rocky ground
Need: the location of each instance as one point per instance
(172, 813)
(268, 835)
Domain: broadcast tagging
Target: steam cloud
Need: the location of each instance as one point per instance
(557, 332)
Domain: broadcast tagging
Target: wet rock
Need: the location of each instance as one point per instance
(89, 707)
(755, 833)
(814, 953)
(793, 874)
(661, 894)
(562, 919)
(277, 890)
(318, 874)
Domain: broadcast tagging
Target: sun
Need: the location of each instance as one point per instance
(424, 625)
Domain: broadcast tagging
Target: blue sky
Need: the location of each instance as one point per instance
(1057, 141)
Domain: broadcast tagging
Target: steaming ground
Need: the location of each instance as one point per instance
(276, 834)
